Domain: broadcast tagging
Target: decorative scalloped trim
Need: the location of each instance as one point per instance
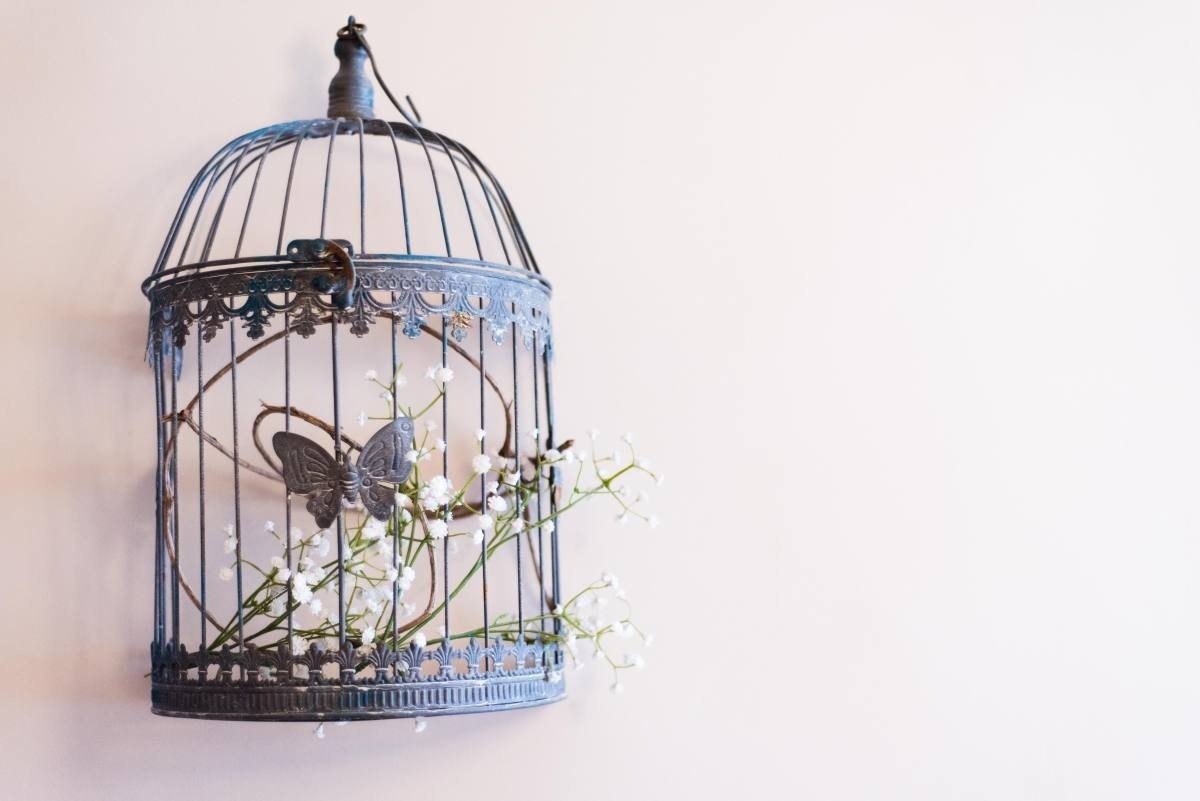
(210, 300)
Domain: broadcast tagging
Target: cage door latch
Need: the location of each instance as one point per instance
(338, 254)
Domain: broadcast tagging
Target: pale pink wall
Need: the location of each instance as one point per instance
(921, 276)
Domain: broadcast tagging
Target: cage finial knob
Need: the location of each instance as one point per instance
(351, 94)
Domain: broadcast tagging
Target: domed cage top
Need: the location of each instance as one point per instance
(345, 315)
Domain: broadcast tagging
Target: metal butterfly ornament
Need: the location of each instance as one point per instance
(308, 469)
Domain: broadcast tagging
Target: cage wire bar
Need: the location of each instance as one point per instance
(478, 274)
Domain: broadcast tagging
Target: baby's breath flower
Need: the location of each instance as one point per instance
(617, 688)
(371, 375)
(430, 425)
(486, 521)
(438, 529)
(652, 521)
(440, 374)
(420, 640)
(226, 573)
(518, 525)
(497, 504)
(477, 537)
(419, 725)
(435, 493)
(362, 419)
(480, 434)
(368, 635)
(278, 563)
(481, 463)
(441, 445)
(315, 606)
(627, 438)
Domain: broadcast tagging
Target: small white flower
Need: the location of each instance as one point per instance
(408, 573)
(297, 644)
(511, 477)
(438, 529)
(581, 456)
(642, 463)
(315, 607)
(278, 606)
(617, 688)
(486, 521)
(648, 640)
(300, 589)
(623, 518)
(440, 373)
(430, 425)
(403, 501)
(635, 661)
(419, 725)
(412, 456)
(435, 493)
(518, 525)
(497, 504)
(481, 463)
(551, 456)
(477, 537)
(400, 380)
(652, 521)
(230, 544)
(480, 434)
(371, 375)
(420, 640)
(392, 574)
(374, 529)
(269, 527)
(226, 573)
(533, 434)
(362, 419)
(658, 481)
(610, 580)
(385, 395)
(441, 445)
(368, 635)
(548, 527)
(230, 531)
(323, 548)
(627, 438)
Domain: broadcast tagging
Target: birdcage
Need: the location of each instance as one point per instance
(344, 315)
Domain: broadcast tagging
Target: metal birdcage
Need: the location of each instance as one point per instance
(316, 269)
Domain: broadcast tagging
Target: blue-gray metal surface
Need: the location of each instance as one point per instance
(196, 286)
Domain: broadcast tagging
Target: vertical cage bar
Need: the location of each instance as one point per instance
(175, 366)
(537, 479)
(445, 472)
(516, 402)
(159, 488)
(483, 546)
(201, 498)
(553, 482)
(237, 481)
(287, 391)
(341, 459)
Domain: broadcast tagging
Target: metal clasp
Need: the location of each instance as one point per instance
(342, 277)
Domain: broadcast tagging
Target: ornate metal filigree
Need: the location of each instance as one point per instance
(375, 682)
(411, 289)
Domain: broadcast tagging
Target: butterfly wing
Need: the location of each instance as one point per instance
(309, 470)
(324, 506)
(382, 465)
